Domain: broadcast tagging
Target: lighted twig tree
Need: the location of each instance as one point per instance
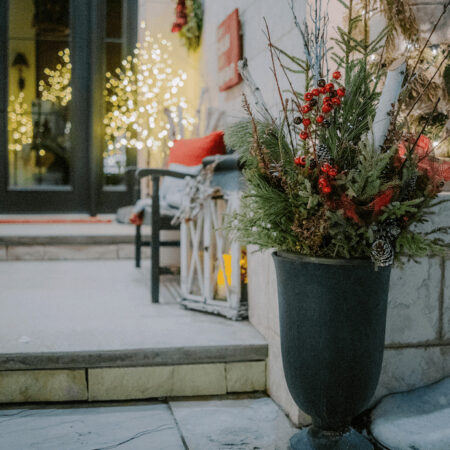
(20, 125)
(56, 88)
(143, 97)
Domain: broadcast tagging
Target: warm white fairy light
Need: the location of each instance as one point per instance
(57, 87)
(136, 96)
(20, 124)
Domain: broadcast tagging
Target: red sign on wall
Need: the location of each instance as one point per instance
(229, 51)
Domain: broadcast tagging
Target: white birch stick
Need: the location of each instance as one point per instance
(248, 79)
(388, 99)
(180, 122)
(199, 111)
(172, 130)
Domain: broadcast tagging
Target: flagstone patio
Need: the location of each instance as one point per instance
(212, 424)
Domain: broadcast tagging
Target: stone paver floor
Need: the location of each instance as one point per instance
(249, 423)
(67, 306)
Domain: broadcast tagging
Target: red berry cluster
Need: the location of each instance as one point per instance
(323, 105)
(300, 160)
(324, 180)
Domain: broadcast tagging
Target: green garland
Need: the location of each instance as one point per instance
(191, 33)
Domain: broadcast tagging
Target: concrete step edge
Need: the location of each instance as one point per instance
(144, 357)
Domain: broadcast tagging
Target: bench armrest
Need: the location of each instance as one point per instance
(224, 162)
(157, 173)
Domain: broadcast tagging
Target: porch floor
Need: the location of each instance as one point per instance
(63, 314)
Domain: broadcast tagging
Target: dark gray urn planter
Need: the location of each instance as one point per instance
(332, 327)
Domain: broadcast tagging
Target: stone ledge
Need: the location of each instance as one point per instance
(133, 357)
(67, 240)
(42, 386)
(246, 376)
(126, 383)
(175, 381)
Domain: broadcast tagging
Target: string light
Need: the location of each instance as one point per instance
(137, 95)
(20, 124)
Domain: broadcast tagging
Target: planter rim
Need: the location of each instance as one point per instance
(319, 260)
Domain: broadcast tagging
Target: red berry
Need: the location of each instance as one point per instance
(308, 96)
(300, 161)
(320, 119)
(326, 189)
(326, 108)
(332, 172)
(326, 99)
(304, 135)
(307, 122)
(326, 168)
(336, 100)
(329, 87)
(306, 109)
(323, 181)
(337, 75)
(341, 91)
(315, 92)
(323, 90)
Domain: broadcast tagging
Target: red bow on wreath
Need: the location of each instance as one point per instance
(181, 17)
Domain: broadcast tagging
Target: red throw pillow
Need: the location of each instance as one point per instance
(190, 152)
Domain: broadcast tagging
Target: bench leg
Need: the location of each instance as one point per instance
(137, 246)
(155, 241)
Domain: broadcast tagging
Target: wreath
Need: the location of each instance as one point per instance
(189, 23)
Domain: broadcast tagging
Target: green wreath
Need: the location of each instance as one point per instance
(191, 33)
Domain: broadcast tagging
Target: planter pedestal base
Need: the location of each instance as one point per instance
(314, 439)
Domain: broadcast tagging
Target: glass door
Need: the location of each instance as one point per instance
(43, 61)
(53, 58)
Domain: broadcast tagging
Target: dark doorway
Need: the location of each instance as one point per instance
(53, 59)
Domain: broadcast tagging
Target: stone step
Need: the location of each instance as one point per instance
(86, 241)
(87, 330)
(417, 419)
(131, 383)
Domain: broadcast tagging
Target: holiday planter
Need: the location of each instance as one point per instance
(341, 174)
(332, 327)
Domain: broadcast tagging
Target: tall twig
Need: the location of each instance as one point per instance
(427, 85)
(428, 39)
(411, 150)
(294, 93)
(274, 70)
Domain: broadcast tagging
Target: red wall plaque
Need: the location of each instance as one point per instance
(229, 51)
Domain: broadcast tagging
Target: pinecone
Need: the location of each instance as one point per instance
(382, 253)
(323, 154)
(389, 230)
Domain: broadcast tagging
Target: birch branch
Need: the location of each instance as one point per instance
(387, 102)
(180, 122)
(172, 129)
(254, 88)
